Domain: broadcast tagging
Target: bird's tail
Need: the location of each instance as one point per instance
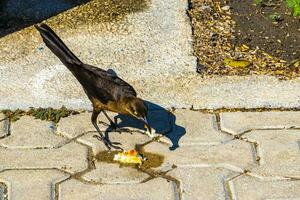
(56, 45)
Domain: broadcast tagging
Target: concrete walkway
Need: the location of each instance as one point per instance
(239, 155)
(151, 49)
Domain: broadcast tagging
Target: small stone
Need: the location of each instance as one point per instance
(205, 8)
(225, 8)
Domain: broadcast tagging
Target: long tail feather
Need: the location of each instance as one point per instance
(57, 46)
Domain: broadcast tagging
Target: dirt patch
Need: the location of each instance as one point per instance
(269, 26)
(240, 30)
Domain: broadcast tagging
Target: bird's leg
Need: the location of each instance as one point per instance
(101, 137)
(113, 125)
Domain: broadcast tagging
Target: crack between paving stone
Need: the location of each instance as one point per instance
(7, 124)
(154, 174)
(257, 155)
(159, 174)
(91, 166)
(56, 187)
(229, 187)
(69, 140)
(227, 166)
(259, 109)
(256, 149)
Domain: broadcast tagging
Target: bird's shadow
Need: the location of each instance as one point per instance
(162, 120)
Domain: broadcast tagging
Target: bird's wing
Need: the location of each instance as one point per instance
(112, 79)
(101, 84)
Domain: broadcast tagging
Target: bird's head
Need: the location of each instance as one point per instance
(137, 108)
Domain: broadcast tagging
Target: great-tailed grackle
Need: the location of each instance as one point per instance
(105, 90)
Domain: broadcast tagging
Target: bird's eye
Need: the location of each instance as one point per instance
(135, 113)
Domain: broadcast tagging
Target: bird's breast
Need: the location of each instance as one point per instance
(110, 105)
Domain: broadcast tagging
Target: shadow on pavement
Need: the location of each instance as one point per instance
(162, 120)
(18, 14)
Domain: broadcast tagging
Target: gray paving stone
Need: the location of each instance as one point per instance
(279, 152)
(235, 155)
(71, 158)
(239, 122)
(3, 126)
(128, 140)
(28, 132)
(111, 173)
(193, 128)
(202, 183)
(76, 125)
(151, 190)
(249, 188)
(32, 184)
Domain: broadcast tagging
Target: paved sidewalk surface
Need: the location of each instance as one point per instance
(233, 155)
(200, 155)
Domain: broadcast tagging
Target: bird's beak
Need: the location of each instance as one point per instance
(144, 119)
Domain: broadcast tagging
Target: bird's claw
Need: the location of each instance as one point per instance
(108, 143)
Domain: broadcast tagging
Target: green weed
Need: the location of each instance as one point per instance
(49, 114)
(294, 5)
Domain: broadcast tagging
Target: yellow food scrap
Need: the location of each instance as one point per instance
(236, 63)
(129, 157)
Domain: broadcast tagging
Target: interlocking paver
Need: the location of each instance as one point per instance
(128, 140)
(239, 122)
(246, 187)
(206, 160)
(279, 152)
(28, 132)
(199, 128)
(76, 125)
(111, 173)
(3, 126)
(71, 158)
(232, 154)
(202, 183)
(32, 184)
(152, 190)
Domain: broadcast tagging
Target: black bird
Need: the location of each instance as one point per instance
(105, 90)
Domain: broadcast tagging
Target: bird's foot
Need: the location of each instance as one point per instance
(114, 127)
(151, 133)
(108, 143)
